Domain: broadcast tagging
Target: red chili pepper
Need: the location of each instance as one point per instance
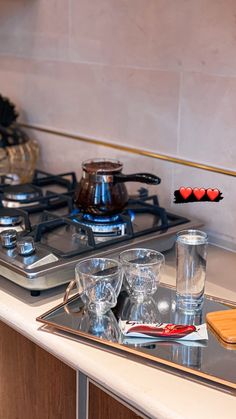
(170, 330)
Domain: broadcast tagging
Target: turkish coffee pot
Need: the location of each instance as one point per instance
(102, 190)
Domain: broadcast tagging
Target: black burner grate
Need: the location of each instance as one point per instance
(40, 195)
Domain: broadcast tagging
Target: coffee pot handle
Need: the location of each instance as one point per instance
(137, 177)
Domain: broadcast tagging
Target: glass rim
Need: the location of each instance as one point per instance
(118, 264)
(203, 239)
(160, 255)
(192, 232)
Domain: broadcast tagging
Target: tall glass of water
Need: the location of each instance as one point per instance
(191, 253)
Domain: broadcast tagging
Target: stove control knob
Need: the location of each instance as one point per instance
(8, 238)
(25, 246)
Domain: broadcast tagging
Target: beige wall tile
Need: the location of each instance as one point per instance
(189, 35)
(133, 106)
(35, 29)
(14, 81)
(134, 33)
(208, 123)
(159, 34)
(209, 36)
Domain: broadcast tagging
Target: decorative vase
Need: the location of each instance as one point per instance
(18, 153)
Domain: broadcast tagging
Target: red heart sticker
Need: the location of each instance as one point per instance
(212, 193)
(185, 192)
(199, 193)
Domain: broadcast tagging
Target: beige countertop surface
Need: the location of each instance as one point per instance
(156, 393)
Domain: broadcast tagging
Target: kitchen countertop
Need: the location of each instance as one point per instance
(156, 393)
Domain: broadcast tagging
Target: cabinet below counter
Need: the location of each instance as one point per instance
(35, 384)
(46, 375)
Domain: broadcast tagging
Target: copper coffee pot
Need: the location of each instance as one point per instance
(102, 190)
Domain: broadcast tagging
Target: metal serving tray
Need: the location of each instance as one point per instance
(212, 362)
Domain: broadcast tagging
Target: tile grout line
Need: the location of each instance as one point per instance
(179, 111)
(107, 64)
(69, 30)
(173, 168)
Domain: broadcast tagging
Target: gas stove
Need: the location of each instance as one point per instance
(43, 235)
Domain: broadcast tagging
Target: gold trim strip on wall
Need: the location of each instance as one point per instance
(128, 149)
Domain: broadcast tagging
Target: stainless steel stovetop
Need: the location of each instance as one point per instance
(43, 235)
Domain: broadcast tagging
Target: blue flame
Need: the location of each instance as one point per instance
(100, 219)
(131, 214)
(75, 212)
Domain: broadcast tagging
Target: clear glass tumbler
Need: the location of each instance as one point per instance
(99, 282)
(141, 268)
(191, 253)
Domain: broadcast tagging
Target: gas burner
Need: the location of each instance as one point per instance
(97, 219)
(104, 228)
(7, 220)
(14, 219)
(46, 192)
(9, 179)
(17, 196)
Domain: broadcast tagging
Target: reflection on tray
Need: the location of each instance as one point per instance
(104, 327)
(208, 360)
(184, 353)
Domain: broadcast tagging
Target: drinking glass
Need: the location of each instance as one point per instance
(191, 253)
(141, 268)
(99, 282)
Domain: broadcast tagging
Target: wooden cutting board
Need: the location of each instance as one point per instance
(224, 324)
